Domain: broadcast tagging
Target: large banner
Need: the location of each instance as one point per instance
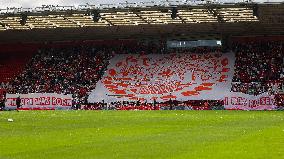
(165, 76)
(175, 76)
(40, 101)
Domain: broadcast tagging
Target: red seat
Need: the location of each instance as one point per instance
(11, 64)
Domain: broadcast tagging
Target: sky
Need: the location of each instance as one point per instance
(36, 3)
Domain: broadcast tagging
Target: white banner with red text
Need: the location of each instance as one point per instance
(241, 101)
(40, 101)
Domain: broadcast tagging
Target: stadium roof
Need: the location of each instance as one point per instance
(132, 22)
(31, 5)
(127, 16)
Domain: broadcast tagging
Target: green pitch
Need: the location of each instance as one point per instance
(142, 134)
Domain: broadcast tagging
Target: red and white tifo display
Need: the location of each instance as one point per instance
(174, 76)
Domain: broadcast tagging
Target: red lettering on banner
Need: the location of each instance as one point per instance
(253, 103)
(11, 101)
(234, 101)
(265, 101)
(53, 101)
(28, 101)
(36, 101)
(40, 100)
(226, 101)
(58, 101)
(47, 102)
(250, 102)
(67, 102)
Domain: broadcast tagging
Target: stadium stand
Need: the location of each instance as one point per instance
(259, 67)
(61, 70)
(11, 64)
(78, 69)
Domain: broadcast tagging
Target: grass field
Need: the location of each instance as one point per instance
(142, 134)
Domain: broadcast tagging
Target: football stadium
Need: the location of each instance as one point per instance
(142, 79)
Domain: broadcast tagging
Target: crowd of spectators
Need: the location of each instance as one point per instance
(74, 70)
(259, 67)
